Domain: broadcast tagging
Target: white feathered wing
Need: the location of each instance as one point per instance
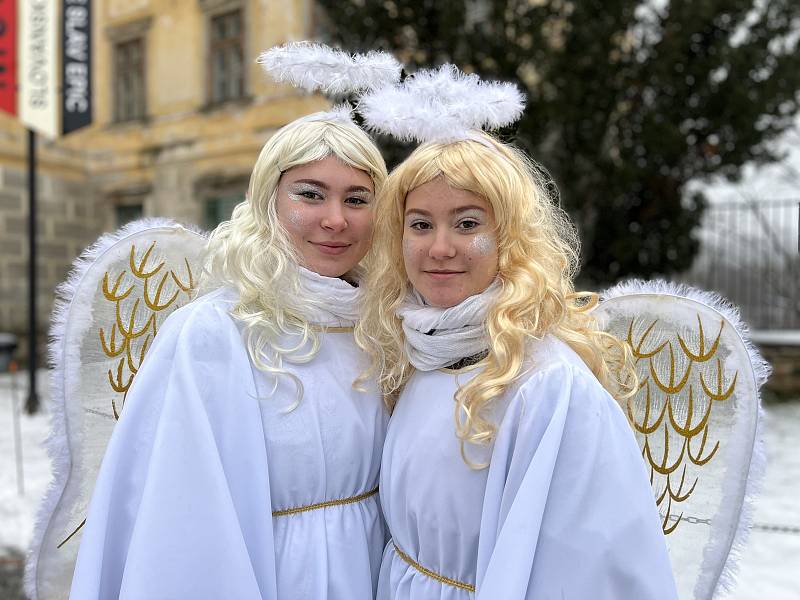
(106, 315)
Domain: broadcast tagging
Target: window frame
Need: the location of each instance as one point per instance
(227, 46)
(216, 202)
(119, 36)
(136, 107)
(214, 9)
(121, 207)
(218, 188)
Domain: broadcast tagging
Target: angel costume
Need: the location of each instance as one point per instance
(564, 509)
(214, 486)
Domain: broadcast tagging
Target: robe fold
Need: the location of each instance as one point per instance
(564, 510)
(204, 453)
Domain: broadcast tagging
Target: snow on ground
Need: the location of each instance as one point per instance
(769, 569)
(17, 511)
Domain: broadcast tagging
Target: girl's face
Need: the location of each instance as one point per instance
(327, 208)
(449, 246)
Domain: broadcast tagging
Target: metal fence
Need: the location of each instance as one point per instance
(750, 253)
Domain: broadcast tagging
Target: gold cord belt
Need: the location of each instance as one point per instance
(318, 505)
(432, 574)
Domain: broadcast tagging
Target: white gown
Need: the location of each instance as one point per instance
(564, 511)
(201, 458)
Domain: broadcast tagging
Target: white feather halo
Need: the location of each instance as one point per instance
(316, 67)
(399, 112)
(446, 83)
(441, 104)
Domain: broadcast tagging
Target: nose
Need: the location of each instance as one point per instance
(334, 218)
(442, 246)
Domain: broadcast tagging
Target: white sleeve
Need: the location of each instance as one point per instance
(569, 512)
(181, 507)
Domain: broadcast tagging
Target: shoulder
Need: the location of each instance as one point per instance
(559, 393)
(205, 323)
(549, 354)
(555, 372)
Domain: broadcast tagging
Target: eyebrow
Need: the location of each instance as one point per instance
(455, 211)
(324, 186)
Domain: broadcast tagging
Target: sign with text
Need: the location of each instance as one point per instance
(38, 66)
(8, 56)
(76, 64)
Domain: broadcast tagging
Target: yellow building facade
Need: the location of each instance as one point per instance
(181, 110)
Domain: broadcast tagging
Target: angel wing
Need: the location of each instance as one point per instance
(106, 315)
(696, 417)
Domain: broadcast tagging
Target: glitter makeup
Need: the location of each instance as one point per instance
(296, 217)
(481, 245)
(296, 192)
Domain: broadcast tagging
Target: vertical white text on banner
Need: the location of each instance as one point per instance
(76, 64)
(38, 66)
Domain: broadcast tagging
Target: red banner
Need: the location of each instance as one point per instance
(8, 56)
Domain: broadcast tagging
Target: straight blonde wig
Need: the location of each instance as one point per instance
(538, 257)
(253, 253)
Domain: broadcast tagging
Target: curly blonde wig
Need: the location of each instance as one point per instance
(253, 253)
(538, 258)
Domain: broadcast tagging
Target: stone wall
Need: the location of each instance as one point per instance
(785, 361)
(67, 220)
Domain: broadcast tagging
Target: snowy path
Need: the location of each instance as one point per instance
(770, 568)
(17, 512)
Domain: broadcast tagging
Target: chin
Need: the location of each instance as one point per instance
(330, 272)
(442, 300)
(332, 269)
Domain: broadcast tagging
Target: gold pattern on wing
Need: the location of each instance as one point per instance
(681, 380)
(143, 295)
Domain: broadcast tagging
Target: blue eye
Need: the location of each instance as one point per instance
(357, 201)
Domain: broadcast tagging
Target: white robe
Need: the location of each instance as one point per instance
(203, 454)
(564, 511)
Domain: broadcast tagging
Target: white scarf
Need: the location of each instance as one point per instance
(458, 331)
(328, 301)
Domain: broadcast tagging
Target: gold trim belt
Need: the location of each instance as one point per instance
(432, 574)
(318, 505)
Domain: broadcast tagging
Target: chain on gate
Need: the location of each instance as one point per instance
(770, 527)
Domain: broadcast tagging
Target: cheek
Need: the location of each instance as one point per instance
(363, 223)
(296, 217)
(406, 248)
(481, 246)
(411, 253)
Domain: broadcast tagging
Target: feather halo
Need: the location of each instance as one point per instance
(441, 104)
(316, 67)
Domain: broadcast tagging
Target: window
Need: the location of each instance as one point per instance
(125, 213)
(226, 51)
(220, 208)
(129, 88)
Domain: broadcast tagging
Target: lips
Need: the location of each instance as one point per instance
(331, 248)
(443, 274)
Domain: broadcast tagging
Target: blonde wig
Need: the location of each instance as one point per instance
(253, 252)
(538, 258)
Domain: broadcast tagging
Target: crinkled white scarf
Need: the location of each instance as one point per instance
(437, 337)
(329, 301)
